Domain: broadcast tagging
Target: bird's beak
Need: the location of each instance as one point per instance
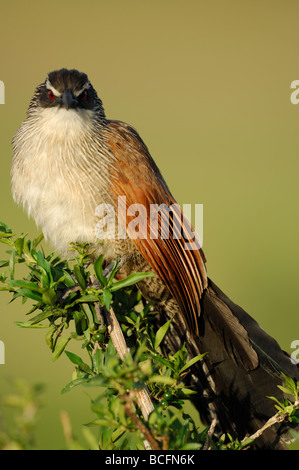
(68, 100)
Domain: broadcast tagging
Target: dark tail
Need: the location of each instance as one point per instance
(244, 366)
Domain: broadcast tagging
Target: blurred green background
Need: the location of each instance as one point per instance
(207, 86)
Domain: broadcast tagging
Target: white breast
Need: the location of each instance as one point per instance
(51, 176)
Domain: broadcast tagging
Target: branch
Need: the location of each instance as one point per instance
(116, 334)
(150, 442)
(118, 340)
(279, 417)
(210, 434)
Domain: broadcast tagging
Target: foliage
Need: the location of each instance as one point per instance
(25, 402)
(288, 408)
(70, 299)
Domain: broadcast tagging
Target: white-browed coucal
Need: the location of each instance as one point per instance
(69, 160)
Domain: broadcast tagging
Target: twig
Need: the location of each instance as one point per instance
(117, 337)
(210, 434)
(99, 315)
(70, 291)
(275, 419)
(116, 334)
(142, 396)
(144, 402)
(128, 406)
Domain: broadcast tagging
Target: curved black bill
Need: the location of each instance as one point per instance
(68, 100)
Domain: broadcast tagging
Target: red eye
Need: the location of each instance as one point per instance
(84, 95)
(51, 95)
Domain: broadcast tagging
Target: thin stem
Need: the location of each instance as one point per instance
(129, 410)
(275, 419)
(142, 396)
(210, 433)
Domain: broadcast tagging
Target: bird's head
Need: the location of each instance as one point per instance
(70, 90)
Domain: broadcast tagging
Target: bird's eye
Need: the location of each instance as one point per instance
(51, 95)
(83, 95)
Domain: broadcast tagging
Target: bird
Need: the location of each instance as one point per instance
(71, 167)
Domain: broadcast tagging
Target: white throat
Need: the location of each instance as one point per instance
(72, 123)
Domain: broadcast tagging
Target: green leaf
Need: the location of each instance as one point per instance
(78, 361)
(59, 348)
(19, 243)
(42, 262)
(113, 272)
(68, 280)
(12, 264)
(191, 446)
(101, 422)
(5, 235)
(6, 241)
(187, 391)
(246, 442)
(37, 241)
(5, 288)
(279, 405)
(97, 360)
(79, 276)
(49, 337)
(41, 316)
(107, 296)
(30, 294)
(5, 263)
(27, 246)
(88, 298)
(89, 315)
(80, 380)
(161, 333)
(130, 280)
(24, 284)
(162, 361)
(293, 388)
(45, 278)
(284, 389)
(192, 361)
(28, 324)
(74, 358)
(98, 268)
(161, 379)
(5, 228)
(80, 322)
(49, 297)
